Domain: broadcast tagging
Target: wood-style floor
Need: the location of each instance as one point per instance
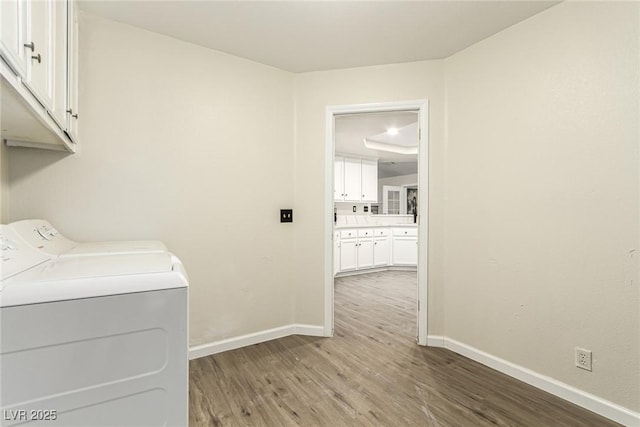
(371, 373)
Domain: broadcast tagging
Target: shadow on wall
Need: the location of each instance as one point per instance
(38, 159)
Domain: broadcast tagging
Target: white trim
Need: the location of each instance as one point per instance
(328, 222)
(422, 105)
(203, 350)
(308, 330)
(567, 392)
(435, 341)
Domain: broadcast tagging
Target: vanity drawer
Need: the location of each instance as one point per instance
(365, 232)
(350, 233)
(405, 231)
(381, 232)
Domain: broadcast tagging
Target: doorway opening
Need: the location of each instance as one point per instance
(377, 182)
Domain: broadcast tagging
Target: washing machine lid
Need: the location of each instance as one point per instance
(115, 248)
(42, 236)
(69, 278)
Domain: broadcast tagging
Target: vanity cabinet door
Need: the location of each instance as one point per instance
(365, 253)
(381, 251)
(348, 254)
(405, 250)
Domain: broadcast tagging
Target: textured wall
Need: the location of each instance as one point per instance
(183, 144)
(314, 92)
(542, 196)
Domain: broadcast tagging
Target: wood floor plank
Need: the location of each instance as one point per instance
(371, 373)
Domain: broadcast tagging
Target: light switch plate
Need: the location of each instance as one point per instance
(286, 215)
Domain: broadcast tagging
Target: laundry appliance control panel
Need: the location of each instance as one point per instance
(17, 256)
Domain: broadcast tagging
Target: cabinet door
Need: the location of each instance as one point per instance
(338, 179)
(60, 64)
(405, 251)
(381, 251)
(365, 253)
(72, 71)
(12, 31)
(348, 254)
(370, 181)
(352, 180)
(40, 31)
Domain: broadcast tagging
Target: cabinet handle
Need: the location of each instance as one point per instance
(37, 57)
(31, 46)
(70, 111)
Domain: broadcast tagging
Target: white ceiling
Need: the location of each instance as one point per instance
(351, 129)
(300, 36)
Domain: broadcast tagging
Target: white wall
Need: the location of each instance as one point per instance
(314, 92)
(533, 141)
(183, 144)
(542, 209)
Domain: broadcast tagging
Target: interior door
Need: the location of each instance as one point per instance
(391, 200)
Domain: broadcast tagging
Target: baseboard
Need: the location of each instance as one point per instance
(203, 350)
(574, 395)
(376, 270)
(309, 330)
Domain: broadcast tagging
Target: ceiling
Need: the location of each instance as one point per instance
(300, 36)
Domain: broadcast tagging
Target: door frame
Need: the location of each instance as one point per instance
(422, 106)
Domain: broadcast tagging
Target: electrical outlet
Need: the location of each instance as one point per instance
(583, 358)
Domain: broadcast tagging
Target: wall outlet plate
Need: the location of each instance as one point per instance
(583, 358)
(286, 215)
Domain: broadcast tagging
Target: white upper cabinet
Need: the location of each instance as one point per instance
(39, 50)
(12, 34)
(352, 180)
(338, 181)
(355, 180)
(369, 181)
(38, 42)
(72, 72)
(60, 64)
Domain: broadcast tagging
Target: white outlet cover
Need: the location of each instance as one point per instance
(583, 359)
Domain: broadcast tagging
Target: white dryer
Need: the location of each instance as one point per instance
(41, 235)
(92, 341)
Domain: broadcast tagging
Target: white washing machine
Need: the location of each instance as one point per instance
(41, 235)
(92, 341)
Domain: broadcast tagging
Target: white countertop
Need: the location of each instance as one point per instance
(345, 226)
